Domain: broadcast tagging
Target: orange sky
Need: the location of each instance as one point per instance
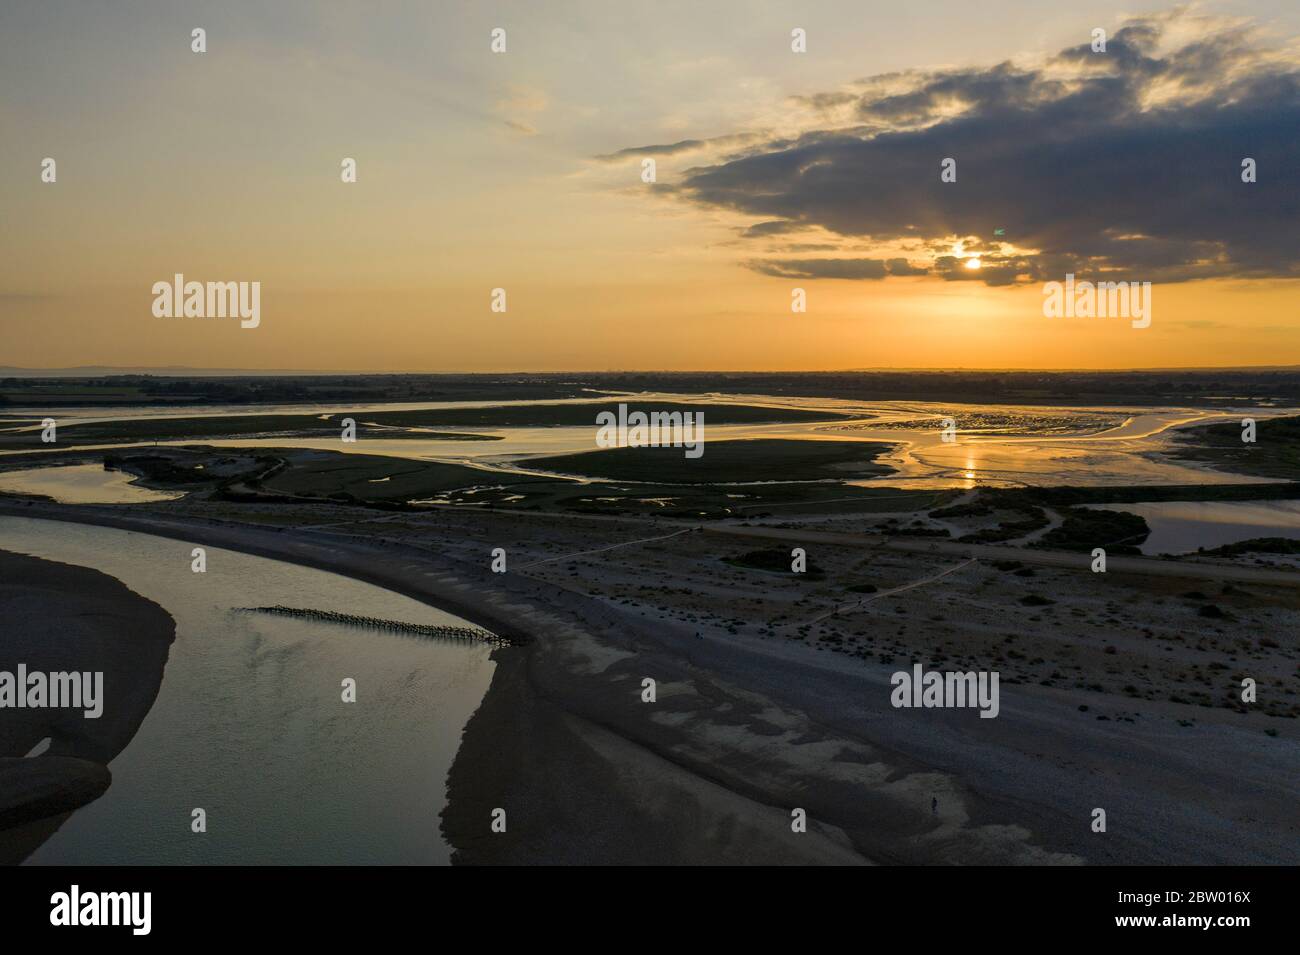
(477, 172)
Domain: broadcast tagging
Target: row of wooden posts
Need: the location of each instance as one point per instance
(378, 623)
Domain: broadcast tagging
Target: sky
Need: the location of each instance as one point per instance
(775, 171)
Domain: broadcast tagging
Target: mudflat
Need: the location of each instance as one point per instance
(62, 618)
(765, 705)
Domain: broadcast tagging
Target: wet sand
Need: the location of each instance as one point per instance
(749, 724)
(60, 618)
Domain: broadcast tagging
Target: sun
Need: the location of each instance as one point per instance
(973, 262)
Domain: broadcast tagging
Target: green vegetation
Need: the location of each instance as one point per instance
(58, 391)
(283, 475)
(386, 425)
(155, 389)
(728, 461)
(1019, 498)
(1119, 532)
(366, 477)
(972, 509)
(584, 414)
(995, 387)
(1257, 545)
(233, 427)
(1274, 453)
(186, 469)
(1034, 519)
(774, 560)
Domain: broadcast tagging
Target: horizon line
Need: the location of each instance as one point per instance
(100, 371)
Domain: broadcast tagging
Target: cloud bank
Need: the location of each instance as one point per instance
(1126, 163)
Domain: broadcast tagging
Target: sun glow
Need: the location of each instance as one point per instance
(973, 262)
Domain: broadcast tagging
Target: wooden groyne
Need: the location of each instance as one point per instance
(378, 623)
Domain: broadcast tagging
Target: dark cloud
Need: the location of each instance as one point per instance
(683, 146)
(835, 268)
(992, 271)
(1125, 162)
(774, 227)
(668, 149)
(821, 268)
(903, 267)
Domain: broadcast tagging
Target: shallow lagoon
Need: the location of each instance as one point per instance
(249, 723)
(1180, 527)
(1044, 445)
(83, 484)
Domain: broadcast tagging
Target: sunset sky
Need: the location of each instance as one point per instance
(775, 170)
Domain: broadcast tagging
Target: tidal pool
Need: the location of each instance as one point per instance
(1180, 527)
(250, 725)
(83, 484)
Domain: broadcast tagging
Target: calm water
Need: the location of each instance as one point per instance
(1043, 449)
(83, 484)
(249, 724)
(1180, 527)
